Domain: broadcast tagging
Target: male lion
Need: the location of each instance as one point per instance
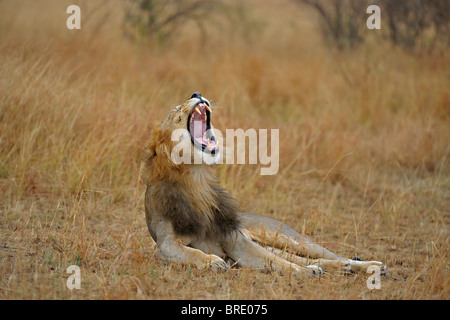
(195, 221)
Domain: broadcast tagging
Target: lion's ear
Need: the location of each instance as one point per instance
(149, 155)
(150, 148)
(163, 143)
(146, 163)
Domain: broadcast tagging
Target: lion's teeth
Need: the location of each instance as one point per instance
(197, 110)
(209, 145)
(209, 109)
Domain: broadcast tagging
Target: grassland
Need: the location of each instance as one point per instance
(364, 151)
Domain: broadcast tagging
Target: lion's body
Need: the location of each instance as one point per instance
(195, 221)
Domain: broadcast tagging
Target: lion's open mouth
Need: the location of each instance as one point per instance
(199, 126)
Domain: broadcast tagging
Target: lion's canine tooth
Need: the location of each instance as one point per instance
(209, 145)
(209, 109)
(197, 110)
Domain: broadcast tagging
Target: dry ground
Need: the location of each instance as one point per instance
(364, 151)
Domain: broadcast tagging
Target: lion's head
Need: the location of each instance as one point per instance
(186, 136)
(191, 130)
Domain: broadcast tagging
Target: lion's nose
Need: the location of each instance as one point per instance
(196, 95)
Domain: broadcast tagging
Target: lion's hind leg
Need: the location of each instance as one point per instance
(338, 266)
(249, 254)
(289, 244)
(271, 232)
(303, 253)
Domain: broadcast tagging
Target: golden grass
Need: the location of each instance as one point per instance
(364, 146)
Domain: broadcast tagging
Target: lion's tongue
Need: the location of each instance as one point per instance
(198, 130)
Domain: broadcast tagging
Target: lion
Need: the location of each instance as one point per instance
(194, 221)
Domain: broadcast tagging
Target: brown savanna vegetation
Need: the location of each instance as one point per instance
(364, 149)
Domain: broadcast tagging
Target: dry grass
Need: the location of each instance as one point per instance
(364, 152)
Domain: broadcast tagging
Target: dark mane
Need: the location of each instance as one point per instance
(171, 201)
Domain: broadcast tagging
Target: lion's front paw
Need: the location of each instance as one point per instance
(215, 263)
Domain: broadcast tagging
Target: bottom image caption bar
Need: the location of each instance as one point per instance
(211, 310)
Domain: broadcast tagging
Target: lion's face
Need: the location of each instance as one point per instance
(192, 120)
